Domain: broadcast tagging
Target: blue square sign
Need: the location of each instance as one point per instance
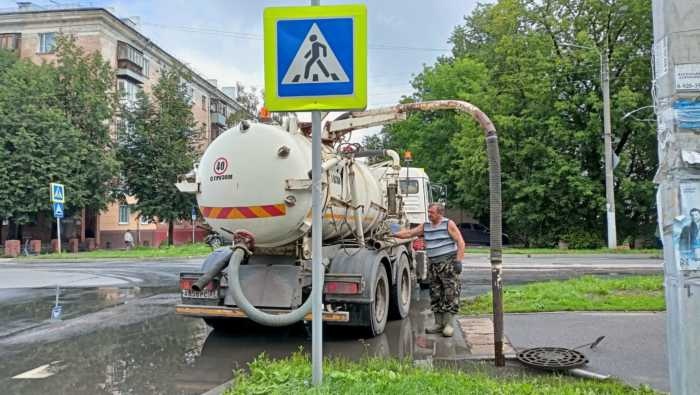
(58, 210)
(314, 57)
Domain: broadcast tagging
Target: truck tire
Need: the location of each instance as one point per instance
(401, 290)
(378, 310)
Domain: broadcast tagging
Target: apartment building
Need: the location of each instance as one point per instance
(31, 32)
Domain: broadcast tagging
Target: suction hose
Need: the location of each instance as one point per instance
(253, 313)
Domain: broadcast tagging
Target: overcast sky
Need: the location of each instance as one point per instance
(222, 39)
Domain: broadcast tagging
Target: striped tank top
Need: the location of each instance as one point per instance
(438, 241)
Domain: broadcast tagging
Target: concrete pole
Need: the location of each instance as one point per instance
(607, 137)
(675, 51)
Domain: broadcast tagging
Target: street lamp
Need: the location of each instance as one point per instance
(634, 111)
(607, 138)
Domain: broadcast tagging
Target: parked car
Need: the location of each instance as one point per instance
(478, 234)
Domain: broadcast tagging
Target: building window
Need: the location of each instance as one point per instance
(146, 67)
(10, 41)
(144, 220)
(123, 214)
(128, 91)
(47, 42)
(204, 103)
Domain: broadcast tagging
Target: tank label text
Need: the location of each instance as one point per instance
(221, 178)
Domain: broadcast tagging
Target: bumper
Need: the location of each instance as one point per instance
(235, 312)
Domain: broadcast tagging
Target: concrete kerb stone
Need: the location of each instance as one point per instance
(478, 337)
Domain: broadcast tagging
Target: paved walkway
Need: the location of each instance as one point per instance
(634, 348)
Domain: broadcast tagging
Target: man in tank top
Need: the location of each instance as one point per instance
(445, 249)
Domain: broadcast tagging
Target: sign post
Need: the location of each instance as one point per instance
(194, 218)
(58, 198)
(316, 59)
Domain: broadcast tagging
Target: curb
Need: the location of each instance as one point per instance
(219, 389)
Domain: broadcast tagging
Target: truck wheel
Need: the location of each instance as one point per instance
(401, 290)
(379, 309)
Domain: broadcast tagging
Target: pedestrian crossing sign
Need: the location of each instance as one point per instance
(316, 58)
(57, 193)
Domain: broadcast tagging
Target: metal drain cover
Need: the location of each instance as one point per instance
(552, 358)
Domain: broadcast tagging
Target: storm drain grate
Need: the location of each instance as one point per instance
(552, 358)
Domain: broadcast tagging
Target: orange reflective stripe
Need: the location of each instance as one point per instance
(270, 210)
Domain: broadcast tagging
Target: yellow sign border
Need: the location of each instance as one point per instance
(356, 101)
(53, 199)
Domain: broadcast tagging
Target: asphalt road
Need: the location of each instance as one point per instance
(119, 333)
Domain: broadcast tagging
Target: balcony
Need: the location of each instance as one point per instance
(218, 118)
(130, 63)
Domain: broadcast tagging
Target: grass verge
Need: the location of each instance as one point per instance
(656, 253)
(587, 293)
(185, 250)
(292, 375)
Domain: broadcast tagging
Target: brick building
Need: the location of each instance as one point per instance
(31, 31)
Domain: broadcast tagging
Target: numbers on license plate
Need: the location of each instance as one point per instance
(205, 294)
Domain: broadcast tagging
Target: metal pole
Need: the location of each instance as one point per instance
(316, 254)
(192, 231)
(607, 137)
(58, 233)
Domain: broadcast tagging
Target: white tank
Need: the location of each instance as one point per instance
(257, 179)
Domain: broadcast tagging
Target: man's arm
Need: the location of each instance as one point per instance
(457, 237)
(408, 233)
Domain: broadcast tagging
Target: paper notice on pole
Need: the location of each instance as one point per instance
(688, 77)
(660, 58)
(686, 228)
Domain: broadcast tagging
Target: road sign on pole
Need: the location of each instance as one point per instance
(58, 210)
(194, 218)
(58, 198)
(57, 193)
(316, 58)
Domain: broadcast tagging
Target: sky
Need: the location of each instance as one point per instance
(222, 39)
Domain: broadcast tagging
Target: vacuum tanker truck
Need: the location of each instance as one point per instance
(253, 184)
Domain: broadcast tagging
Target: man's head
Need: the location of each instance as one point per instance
(435, 212)
(695, 215)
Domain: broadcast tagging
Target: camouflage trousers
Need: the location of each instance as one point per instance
(445, 285)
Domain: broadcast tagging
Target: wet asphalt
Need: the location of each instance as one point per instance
(118, 332)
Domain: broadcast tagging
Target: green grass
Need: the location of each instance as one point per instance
(657, 253)
(185, 250)
(587, 293)
(388, 376)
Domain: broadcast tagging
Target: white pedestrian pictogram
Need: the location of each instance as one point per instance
(315, 62)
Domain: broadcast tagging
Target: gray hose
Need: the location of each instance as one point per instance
(219, 259)
(253, 313)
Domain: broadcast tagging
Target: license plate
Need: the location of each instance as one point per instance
(204, 294)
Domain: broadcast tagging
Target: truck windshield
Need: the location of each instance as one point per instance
(408, 186)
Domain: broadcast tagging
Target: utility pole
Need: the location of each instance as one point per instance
(607, 137)
(676, 88)
(607, 143)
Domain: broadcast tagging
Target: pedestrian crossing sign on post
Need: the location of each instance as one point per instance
(316, 58)
(57, 193)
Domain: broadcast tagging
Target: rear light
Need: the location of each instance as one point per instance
(341, 287)
(419, 244)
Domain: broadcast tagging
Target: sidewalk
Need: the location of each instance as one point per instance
(634, 348)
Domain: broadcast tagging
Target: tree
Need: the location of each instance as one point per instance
(509, 59)
(37, 140)
(86, 95)
(156, 148)
(249, 102)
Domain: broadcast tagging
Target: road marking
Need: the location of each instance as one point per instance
(41, 372)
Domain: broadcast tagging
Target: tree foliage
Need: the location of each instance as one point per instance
(54, 127)
(158, 147)
(249, 100)
(510, 59)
